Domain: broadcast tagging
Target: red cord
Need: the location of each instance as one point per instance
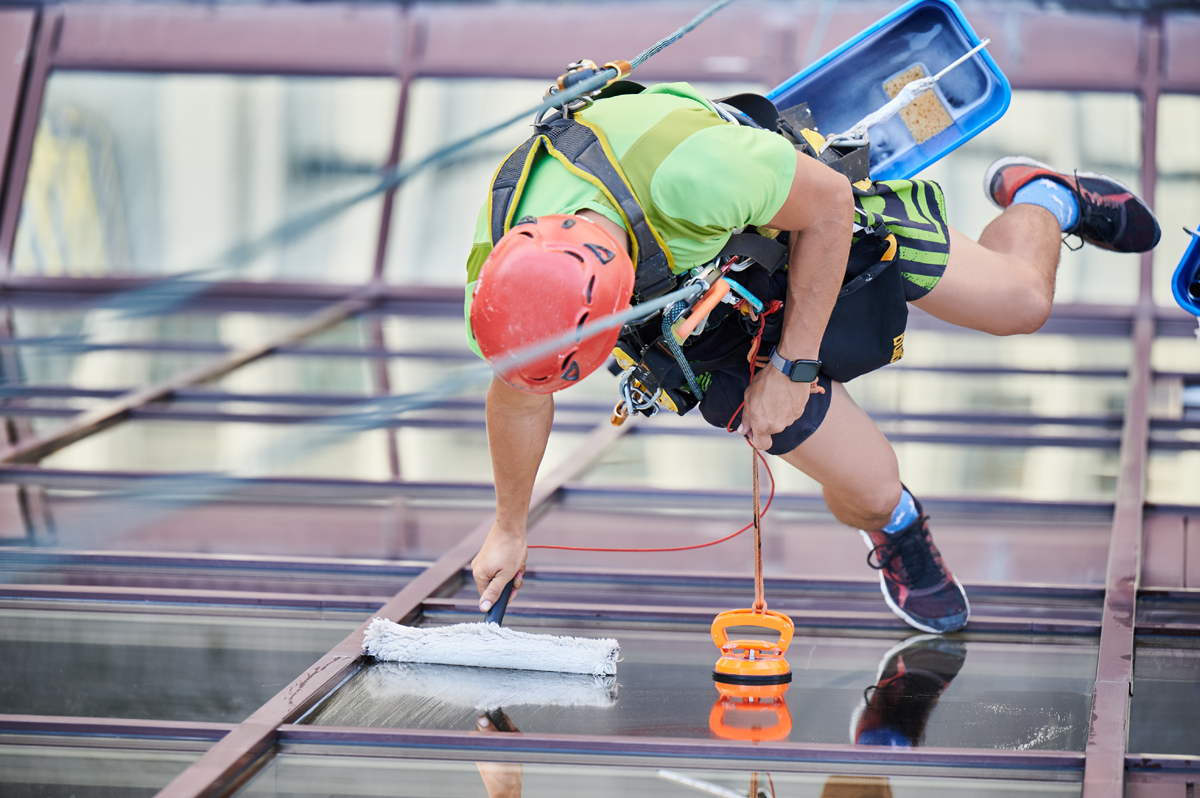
(762, 322)
(684, 548)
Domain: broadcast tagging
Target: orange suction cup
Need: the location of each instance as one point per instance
(754, 712)
(752, 662)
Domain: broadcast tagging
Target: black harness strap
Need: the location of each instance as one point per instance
(766, 252)
(582, 149)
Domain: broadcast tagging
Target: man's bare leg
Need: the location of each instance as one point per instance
(860, 476)
(1002, 284)
(854, 463)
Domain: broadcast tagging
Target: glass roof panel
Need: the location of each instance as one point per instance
(1177, 196)
(296, 774)
(179, 169)
(911, 690)
(1166, 697)
(88, 770)
(978, 548)
(96, 661)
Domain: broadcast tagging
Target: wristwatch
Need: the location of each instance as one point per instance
(796, 370)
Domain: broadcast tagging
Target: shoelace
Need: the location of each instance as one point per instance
(1093, 207)
(917, 559)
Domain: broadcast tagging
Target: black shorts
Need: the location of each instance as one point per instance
(914, 211)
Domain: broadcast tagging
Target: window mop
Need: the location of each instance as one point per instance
(489, 645)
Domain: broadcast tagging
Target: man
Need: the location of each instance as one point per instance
(698, 178)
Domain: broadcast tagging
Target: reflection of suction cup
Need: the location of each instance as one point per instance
(752, 662)
(744, 712)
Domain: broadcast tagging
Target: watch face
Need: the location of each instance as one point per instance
(805, 370)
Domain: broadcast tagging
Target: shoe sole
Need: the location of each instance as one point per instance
(904, 616)
(1022, 160)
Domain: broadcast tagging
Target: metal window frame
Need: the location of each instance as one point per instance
(1146, 55)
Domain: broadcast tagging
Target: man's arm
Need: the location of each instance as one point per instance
(819, 212)
(518, 426)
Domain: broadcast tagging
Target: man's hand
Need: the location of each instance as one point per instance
(773, 402)
(501, 558)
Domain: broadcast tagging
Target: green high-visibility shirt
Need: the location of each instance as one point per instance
(697, 177)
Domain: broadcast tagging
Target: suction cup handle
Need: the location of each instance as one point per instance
(496, 613)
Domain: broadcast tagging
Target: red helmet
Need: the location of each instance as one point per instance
(547, 276)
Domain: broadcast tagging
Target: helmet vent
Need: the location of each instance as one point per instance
(605, 255)
(579, 328)
(526, 220)
(574, 255)
(591, 285)
(525, 233)
(568, 223)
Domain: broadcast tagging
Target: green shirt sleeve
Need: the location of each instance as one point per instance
(480, 249)
(726, 176)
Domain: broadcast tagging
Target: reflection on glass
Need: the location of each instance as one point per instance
(1013, 695)
(153, 174)
(157, 667)
(1173, 477)
(912, 677)
(44, 770)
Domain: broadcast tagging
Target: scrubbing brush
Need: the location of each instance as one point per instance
(489, 645)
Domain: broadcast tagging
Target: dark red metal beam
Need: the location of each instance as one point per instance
(1104, 772)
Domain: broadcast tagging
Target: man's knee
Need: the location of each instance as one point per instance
(871, 505)
(1027, 312)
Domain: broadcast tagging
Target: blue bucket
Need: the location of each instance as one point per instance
(848, 83)
(1186, 283)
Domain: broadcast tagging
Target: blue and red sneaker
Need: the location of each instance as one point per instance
(912, 677)
(1111, 216)
(913, 579)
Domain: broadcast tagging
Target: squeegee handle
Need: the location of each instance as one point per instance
(496, 613)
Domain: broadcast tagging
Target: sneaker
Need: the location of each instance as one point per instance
(912, 677)
(914, 581)
(1111, 216)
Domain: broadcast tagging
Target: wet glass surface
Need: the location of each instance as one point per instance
(298, 775)
(88, 771)
(1166, 697)
(903, 690)
(1172, 477)
(93, 662)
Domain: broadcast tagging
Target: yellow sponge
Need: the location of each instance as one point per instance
(925, 116)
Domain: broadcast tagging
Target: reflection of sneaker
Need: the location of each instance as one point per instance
(1110, 215)
(912, 676)
(915, 583)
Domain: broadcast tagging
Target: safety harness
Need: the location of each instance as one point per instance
(652, 368)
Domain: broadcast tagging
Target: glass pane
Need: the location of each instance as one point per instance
(298, 775)
(317, 525)
(901, 691)
(1166, 698)
(160, 174)
(1177, 198)
(92, 770)
(97, 663)
(1173, 477)
(977, 546)
(310, 576)
(1077, 130)
(715, 461)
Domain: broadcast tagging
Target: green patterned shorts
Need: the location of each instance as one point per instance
(915, 212)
